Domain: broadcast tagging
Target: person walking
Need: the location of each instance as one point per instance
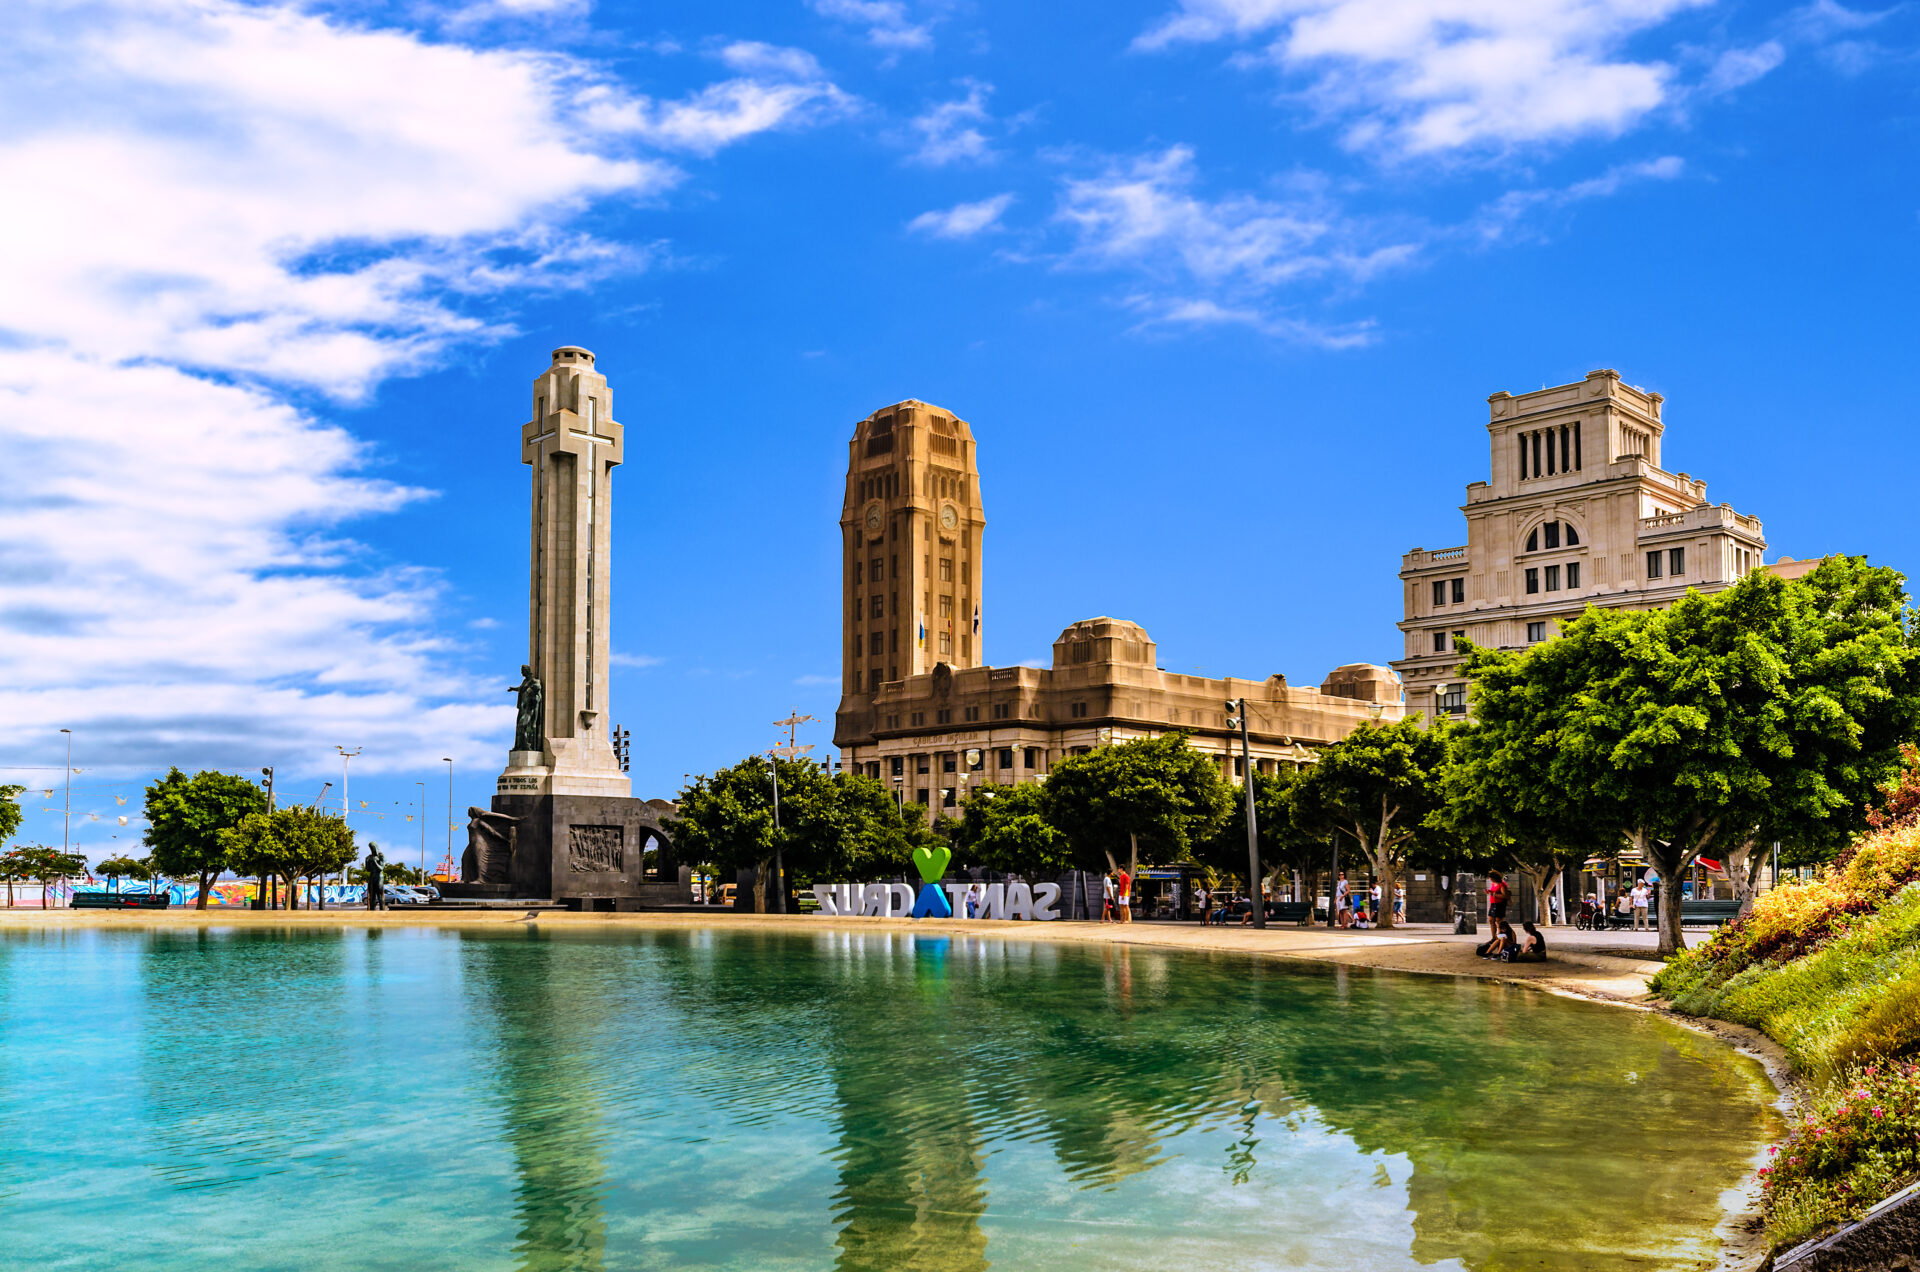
(1343, 900)
(1641, 896)
(1399, 903)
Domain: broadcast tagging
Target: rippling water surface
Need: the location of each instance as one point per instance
(513, 1099)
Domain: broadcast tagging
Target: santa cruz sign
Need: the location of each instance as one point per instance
(936, 900)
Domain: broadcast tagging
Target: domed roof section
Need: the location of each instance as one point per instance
(909, 411)
(1103, 640)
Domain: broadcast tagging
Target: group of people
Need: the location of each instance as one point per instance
(1116, 897)
(1362, 910)
(1505, 946)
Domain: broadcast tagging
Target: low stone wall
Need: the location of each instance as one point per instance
(1887, 1239)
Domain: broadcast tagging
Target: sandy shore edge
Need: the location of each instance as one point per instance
(1620, 980)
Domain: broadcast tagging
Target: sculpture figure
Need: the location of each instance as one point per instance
(376, 887)
(529, 726)
(491, 838)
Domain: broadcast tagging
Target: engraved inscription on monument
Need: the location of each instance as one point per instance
(594, 849)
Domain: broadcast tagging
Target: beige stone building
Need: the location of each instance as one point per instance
(921, 710)
(1578, 512)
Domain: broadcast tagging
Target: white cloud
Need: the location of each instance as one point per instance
(214, 204)
(777, 87)
(1213, 262)
(951, 131)
(635, 660)
(1438, 76)
(888, 22)
(1737, 68)
(1510, 211)
(963, 220)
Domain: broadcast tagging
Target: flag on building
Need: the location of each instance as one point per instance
(976, 620)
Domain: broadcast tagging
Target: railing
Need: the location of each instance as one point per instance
(1438, 556)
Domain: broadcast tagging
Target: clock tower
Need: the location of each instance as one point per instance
(911, 527)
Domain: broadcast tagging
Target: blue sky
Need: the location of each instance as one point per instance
(1221, 285)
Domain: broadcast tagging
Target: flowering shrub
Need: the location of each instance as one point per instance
(1859, 1143)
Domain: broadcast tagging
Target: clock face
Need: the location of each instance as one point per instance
(949, 518)
(873, 519)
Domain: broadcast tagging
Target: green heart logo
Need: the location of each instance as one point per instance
(931, 863)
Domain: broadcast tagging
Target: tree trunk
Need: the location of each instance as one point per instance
(206, 884)
(1743, 871)
(1387, 875)
(759, 887)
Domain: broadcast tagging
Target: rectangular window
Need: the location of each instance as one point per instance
(877, 571)
(876, 640)
(916, 719)
(1553, 578)
(1653, 565)
(972, 714)
(946, 764)
(946, 607)
(966, 648)
(923, 796)
(1552, 534)
(1533, 581)
(947, 797)
(1033, 757)
(1566, 465)
(978, 764)
(1676, 561)
(946, 642)
(899, 766)
(858, 574)
(1239, 766)
(1452, 699)
(1439, 642)
(1459, 591)
(1078, 710)
(893, 646)
(1523, 453)
(1549, 433)
(1002, 710)
(946, 569)
(1460, 635)
(1536, 454)
(943, 716)
(874, 681)
(1439, 591)
(1573, 575)
(1576, 446)
(879, 607)
(1005, 758)
(1536, 632)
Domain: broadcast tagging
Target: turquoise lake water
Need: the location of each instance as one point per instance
(507, 1098)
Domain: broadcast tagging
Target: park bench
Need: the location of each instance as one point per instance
(1290, 912)
(120, 901)
(1708, 913)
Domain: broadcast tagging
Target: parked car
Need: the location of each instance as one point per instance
(404, 894)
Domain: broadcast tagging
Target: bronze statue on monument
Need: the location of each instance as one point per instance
(530, 718)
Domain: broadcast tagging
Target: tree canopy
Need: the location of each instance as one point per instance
(186, 816)
(1006, 828)
(1158, 790)
(10, 811)
(837, 826)
(1770, 710)
(1377, 786)
(291, 843)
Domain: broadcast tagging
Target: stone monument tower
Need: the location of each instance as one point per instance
(564, 824)
(572, 444)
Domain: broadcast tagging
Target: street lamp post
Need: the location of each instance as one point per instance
(346, 804)
(423, 832)
(448, 761)
(1237, 716)
(260, 902)
(66, 820)
(778, 905)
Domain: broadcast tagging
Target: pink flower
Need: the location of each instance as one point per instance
(1772, 1149)
(1878, 1111)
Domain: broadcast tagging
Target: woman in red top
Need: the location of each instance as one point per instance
(1496, 896)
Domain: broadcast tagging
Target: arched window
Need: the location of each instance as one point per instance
(1533, 540)
(1573, 536)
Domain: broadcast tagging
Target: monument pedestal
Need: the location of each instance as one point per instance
(589, 851)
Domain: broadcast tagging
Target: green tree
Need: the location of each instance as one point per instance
(832, 826)
(185, 817)
(1156, 795)
(289, 843)
(10, 811)
(1377, 786)
(13, 867)
(117, 868)
(1286, 846)
(1006, 828)
(46, 865)
(1770, 710)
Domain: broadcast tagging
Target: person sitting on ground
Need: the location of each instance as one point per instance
(1499, 943)
(1533, 946)
(1360, 919)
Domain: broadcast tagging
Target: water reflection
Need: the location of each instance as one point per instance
(512, 1098)
(546, 1071)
